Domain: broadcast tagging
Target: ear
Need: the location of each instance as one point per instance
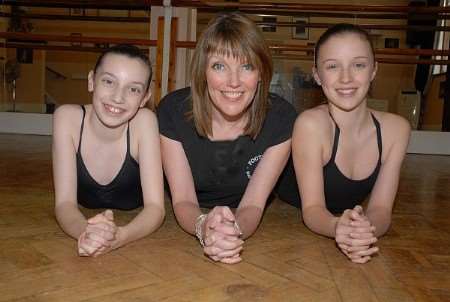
(374, 72)
(146, 98)
(316, 76)
(91, 81)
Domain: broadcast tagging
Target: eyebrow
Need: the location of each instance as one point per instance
(221, 58)
(354, 58)
(138, 83)
(361, 57)
(112, 75)
(215, 58)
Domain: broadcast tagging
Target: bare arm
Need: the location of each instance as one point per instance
(307, 155)
(181, 183)
(67, 213)
(145, 126)
(381, 201)
(264, 178)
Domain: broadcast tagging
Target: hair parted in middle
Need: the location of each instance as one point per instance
(340, 29)
(236, 36)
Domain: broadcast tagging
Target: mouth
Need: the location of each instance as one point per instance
(346, 91)
(112, 109)
(232, 94)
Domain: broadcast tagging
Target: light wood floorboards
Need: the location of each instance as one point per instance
(283, 261)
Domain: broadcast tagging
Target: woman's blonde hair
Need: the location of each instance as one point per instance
(231, 34)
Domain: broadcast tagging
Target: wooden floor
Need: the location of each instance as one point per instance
(283, 261)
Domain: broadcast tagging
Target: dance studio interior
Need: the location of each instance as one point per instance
(47, 49)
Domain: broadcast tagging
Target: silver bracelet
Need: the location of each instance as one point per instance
(198, 228)
(238, 228)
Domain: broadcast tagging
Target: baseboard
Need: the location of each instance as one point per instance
(421, 142)
(429, 142)
(26, 123)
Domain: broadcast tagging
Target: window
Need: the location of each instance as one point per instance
(441, 41)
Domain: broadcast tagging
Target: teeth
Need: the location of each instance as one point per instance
(113, 109)
(232, 94)
(346, 91)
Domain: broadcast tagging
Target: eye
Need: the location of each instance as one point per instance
(331, 66)
(248, 67)
(360, 65)
(135, 90)
(107, 81)
(218, 66)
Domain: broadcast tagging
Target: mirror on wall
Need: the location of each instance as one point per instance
(50, 67)
(35, 78)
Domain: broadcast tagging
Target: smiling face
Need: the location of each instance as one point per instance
(119, 88)
(345, 69)
(231, 38)
(231, 84)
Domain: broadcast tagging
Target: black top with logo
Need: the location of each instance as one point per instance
(221, 169)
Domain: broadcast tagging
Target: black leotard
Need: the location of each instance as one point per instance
(341, 192)
(124, 192)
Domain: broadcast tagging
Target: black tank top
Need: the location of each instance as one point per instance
(341, 192)
(124, 192)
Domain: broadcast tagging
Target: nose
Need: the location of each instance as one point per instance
(118, 96)
(234, 78)
(346, 75)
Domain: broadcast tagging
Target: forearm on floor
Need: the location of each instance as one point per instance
(146, 222)
(381, 219)
(186, 213)
(71, 220)
(248, 219)
(320, 220)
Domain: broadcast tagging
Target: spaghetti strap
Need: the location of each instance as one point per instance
(337, 133)
(128, 140)
(379, 140)
(81, 128)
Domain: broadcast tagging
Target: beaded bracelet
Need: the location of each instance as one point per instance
(198, 228)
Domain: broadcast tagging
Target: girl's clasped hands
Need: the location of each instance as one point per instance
(100, 235)
(355, 235)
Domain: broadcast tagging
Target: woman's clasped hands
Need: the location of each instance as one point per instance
(222, 236)
(355, 235)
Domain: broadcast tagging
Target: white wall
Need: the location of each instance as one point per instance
(26, 123)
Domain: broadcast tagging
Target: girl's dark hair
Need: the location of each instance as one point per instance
(130, 51)
(339, 29)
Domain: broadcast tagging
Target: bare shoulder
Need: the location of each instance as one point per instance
(144, 117)
(313, 120)
(313, 131)
(67, 110)
(67, 116)
(395, 133)
(144, 122)
(392, 125)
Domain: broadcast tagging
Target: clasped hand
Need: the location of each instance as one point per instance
(222, 236)
(99, 236)
(355, 235)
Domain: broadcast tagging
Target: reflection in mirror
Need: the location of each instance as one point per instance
(36, 79)
(44, 59)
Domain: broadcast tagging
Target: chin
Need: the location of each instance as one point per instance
(347, 107)
(112, 124)
(232, 112)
